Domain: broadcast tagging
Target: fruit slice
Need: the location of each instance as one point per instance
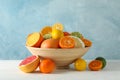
(95, 65)
(34, 39)
(87, 42)
(78, 42)
(80, 64)
(103, 61)
(29, 64)
(67, 42)
(77, 34)
(57, 34)
(50, 43)
(58, 26)
(46, 30)
(47, 66)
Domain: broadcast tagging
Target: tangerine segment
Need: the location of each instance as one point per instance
(95, 65)
(34, 39)
(67, 42)
(46, 30)
(58, 26)
(87, 42)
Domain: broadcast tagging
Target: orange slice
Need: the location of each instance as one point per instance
(67, 42)
(87, 42)
(58, 26)
(95, 65)
(34, 39)
(46, 30)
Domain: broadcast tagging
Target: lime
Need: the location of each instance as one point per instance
(77, 34)
(47, 36)
(102, 60)
(80, 64)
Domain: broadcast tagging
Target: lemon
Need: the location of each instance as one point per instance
(80, 64)
(57, 34)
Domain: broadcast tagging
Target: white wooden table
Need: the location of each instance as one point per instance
(9, 71)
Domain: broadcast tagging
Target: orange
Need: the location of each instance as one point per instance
(58, 26)
(87, 42)
(95, 65)
(29, 64)
(57, 34)
(47, 66)
(50, 43)
(46, 30)
(67, 42)
(34, 39)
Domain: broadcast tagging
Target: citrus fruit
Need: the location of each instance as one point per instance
(87, 42)
(103, 61)
(77, 34)
(57, 34)
(47, 66)
(66, 33)
(95, 65)
(34, 39)
(67, 42)
(46, 30)
(58, 26)
(47, 36)
(78, 42)
(29, 64)
(80, 64)
(50, 43)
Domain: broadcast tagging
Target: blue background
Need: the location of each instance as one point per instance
(97, 20)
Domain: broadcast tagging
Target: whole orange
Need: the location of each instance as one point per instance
(47, 66)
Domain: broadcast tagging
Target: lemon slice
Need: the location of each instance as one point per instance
(58, 26)
(78, 42)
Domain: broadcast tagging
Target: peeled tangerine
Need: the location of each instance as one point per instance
(29, 64)
(34, 39)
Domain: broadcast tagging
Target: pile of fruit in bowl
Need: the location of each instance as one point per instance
(55, 46)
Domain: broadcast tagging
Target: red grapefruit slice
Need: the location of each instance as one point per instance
(29, 64)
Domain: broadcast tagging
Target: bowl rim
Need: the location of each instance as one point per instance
(56, 48)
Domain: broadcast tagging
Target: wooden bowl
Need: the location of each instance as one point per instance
(62, 57)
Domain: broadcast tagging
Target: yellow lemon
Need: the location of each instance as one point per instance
(80, 64)
(56, 34)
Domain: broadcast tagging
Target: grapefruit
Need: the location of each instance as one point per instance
(29, 64)
(78, 42)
